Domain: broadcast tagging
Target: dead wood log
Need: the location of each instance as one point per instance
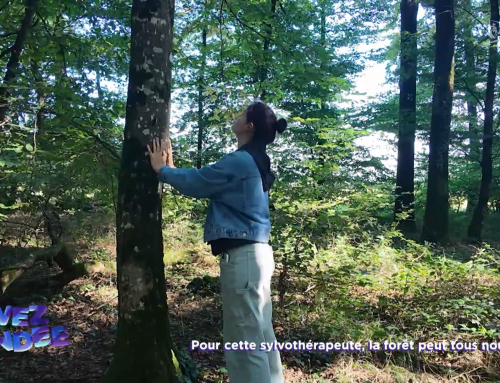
(57, 253)
(25, 259)
(10, 273)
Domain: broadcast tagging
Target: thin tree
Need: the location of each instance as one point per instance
(143, 350)
(471, 79)
(404, 212)
(201, 88)
(476, 224)
(15, 55)
(267, 59)
(436, 217)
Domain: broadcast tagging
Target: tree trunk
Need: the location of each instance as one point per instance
(323, 65)
(267, 41)
(40, 97)
(143, 349)
(98, 81)
(470, 77)
(323, 62)
(404, 212)
(476, 224)
(201, 88)
(435, 228)
(15, 54)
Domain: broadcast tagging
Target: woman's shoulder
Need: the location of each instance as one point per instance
(240, 162)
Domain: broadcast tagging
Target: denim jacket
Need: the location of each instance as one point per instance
(239, 207)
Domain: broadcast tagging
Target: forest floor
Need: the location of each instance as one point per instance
(88, 307)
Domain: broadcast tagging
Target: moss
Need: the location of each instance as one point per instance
(173, 257)
(185, 368)
(177, 366)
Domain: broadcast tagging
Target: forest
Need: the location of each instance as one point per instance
(398, 244)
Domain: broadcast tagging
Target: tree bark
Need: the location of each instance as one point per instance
(15, 54)
(476, 224)
(143, 349)
(323, 66)
(404, 212)
(470, 77)
(436, 218)
(201, 88)
(323, 62)
(40, 96)
(267, 41)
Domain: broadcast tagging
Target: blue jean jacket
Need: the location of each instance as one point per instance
(239, 207)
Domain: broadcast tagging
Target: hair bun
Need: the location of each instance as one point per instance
(280, 125)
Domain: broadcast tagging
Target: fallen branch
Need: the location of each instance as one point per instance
(11, 273)
(19, 224)
(15, 53)
(60, 280)
(58, 253)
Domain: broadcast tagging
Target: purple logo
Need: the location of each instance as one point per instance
(40, 334)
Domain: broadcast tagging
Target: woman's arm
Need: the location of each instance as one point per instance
(207, 182)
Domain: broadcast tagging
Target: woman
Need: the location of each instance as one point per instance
(237, 227)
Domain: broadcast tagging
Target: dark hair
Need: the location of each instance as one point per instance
(265, 122)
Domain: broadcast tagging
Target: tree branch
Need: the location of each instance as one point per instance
(473, 93)
(5, 52)
(254, 30)
(473, 16)
(20, 224)
(281, 7)
(4, 5)
(11, 273)
(110, 148)
(45, 26)
(466, 154)
(3, 35)
(15, 51)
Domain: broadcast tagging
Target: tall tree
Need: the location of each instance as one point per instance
(435, 228)
(201, 90)
(264, 67)
(143, 345)
(471, 80)
(404, 205)
(476, 224)
(15, 54)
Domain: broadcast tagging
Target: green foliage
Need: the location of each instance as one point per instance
(407, 292)
(62, 140)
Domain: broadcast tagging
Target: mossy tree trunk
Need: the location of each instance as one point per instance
(436, 218)
(143, 349)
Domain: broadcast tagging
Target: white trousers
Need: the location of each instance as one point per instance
(245, 275)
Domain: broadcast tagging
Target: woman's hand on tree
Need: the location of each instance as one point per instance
(158, 155)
